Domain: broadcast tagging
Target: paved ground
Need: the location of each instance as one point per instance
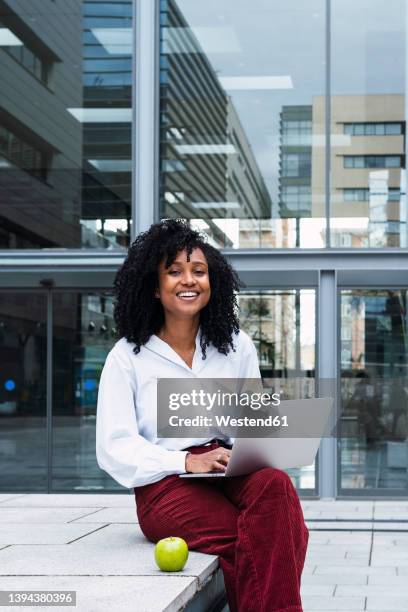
(357, 558)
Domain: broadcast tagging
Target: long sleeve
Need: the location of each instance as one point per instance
(120, 449)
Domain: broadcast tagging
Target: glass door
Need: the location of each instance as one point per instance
(282, 324)
(83, 334)
(53, 345)
(23, 383)
(373, 456)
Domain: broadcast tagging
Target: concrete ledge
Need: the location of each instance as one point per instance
(92, 544)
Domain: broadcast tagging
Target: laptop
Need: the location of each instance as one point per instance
(251, 454)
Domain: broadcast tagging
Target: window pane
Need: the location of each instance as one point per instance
(368, 88)
(23, 358)
(245, 118)
(282, 326)
(393, 162)
(393, 129)
(83, 335)
(394, 195)
(65, 180)
(374, 368)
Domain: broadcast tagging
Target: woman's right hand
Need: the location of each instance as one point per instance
(214, 461)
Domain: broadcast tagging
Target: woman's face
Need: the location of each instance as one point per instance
(184, 287)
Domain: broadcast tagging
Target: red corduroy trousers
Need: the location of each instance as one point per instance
(253, 523)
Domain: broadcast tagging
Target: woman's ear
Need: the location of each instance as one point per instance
(157, 293)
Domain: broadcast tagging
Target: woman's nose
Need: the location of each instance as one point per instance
(188, 279)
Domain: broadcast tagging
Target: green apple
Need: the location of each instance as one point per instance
(171, 554)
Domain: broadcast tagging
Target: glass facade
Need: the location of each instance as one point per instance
(368, 123)
(279, 130)
(65, 124)
(238, 143)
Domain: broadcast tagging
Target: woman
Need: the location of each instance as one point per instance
(176, 318)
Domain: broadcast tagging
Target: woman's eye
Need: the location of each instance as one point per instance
(173, 272)
(199, 272)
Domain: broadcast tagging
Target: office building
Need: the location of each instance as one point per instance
(282, 140)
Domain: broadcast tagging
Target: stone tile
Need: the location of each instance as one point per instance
(317, 589)
(42, 515)
(326, 549)
(308, 569)
(362, 555)
(332, 580)
(395, 526)
(349, 538)
(310, 515)
(6, 497)
(366, 515)
(347, 505)
(54, 533)
(339, 525)
(387, 603)
(314, 602)
(390, 504)
(372, 590)
(391, 537)
(111, 515)
(348, 569)
(394, 552)
(73, 500)
(400, 561)
(339, 561)
(115, 550)
(387, 580)
(118, 593)
(342, 547)
(318, 537)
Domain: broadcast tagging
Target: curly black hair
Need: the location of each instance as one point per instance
(138, 314)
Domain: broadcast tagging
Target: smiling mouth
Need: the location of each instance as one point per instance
(188, 296)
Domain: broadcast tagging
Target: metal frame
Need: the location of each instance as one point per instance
(145, 114)
(49, 385)
(258, 268)
(327, 159)
(326, 369)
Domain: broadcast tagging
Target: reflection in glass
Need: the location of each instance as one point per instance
(368, 124)
(83, 335)
(374, 390)
(242, 120)
(65, 125)
(281, 324)
(23, 359)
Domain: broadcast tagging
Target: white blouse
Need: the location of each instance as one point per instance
(127, 446)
